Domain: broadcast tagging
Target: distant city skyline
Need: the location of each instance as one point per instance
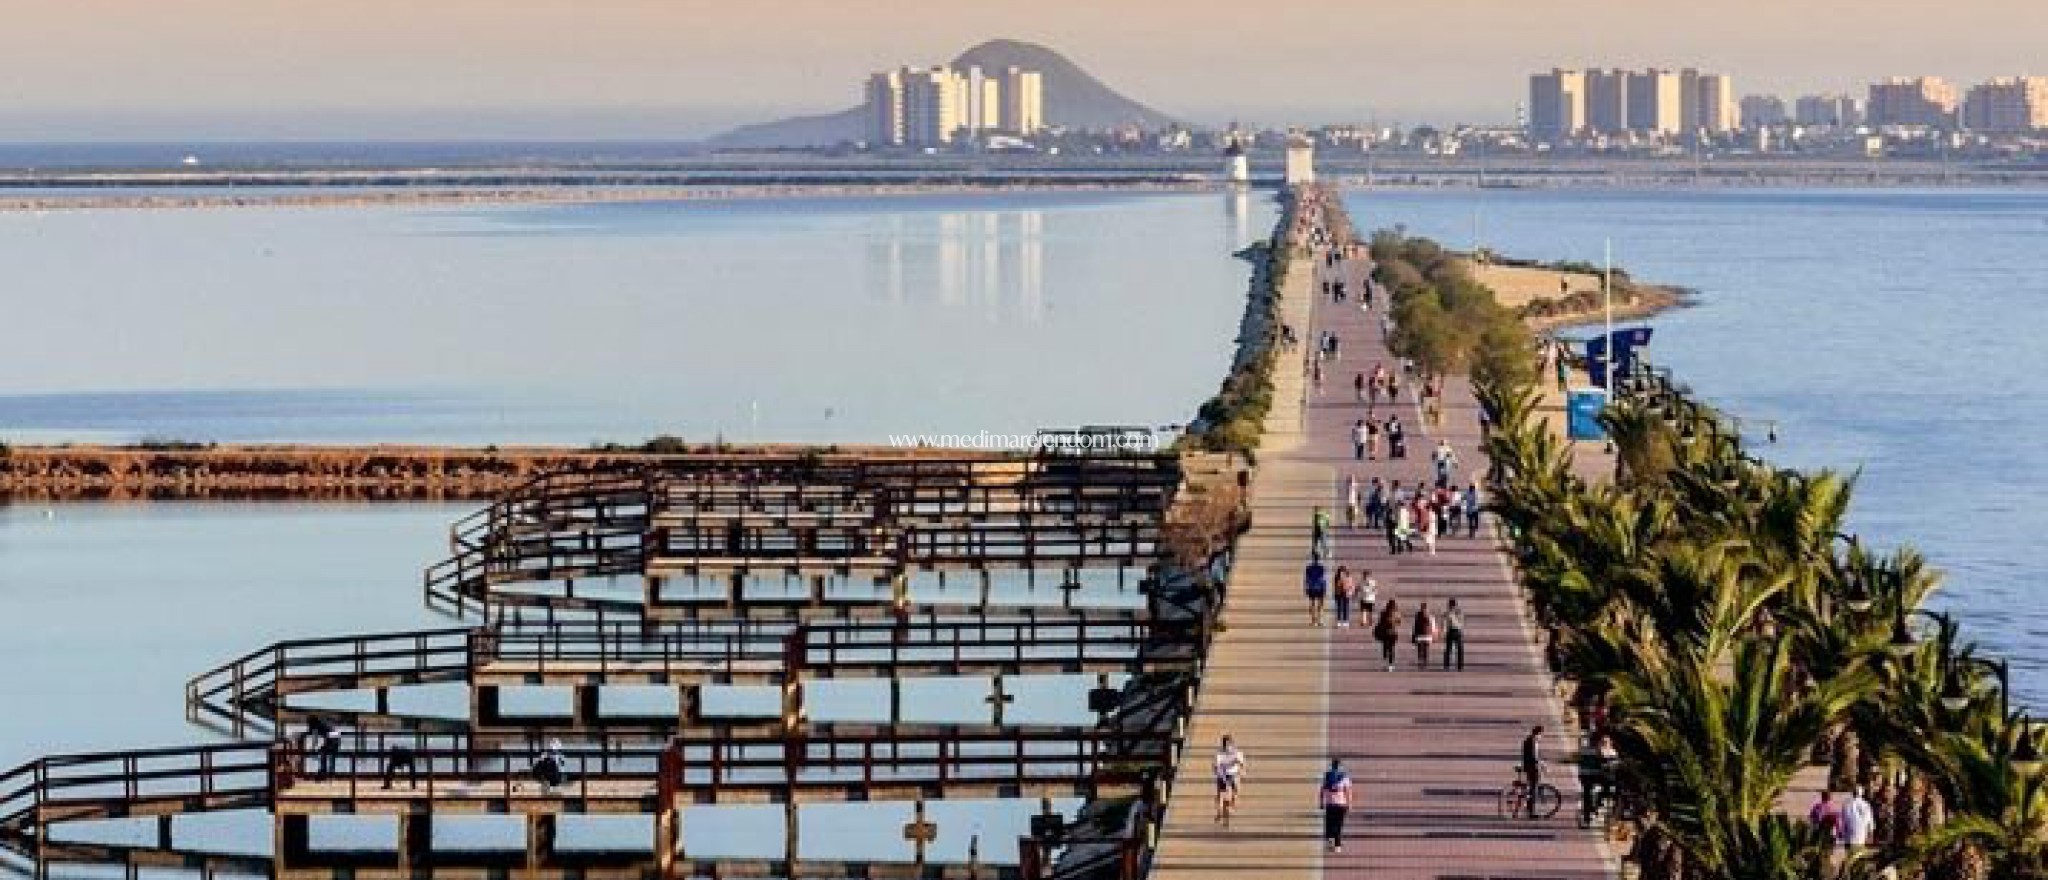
(567, 69)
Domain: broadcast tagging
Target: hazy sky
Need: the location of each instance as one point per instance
(195, 69)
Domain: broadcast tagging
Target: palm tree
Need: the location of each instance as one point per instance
(1714, 748)
(1998, 827)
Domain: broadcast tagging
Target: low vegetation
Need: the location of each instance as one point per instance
(1233, 419)
(1445, 321)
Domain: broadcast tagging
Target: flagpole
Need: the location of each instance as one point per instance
(1607, 305)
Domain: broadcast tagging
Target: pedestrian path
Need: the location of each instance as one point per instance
(1428, 750)
(1264, 681)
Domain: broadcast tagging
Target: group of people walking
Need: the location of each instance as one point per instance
(1408, 514)
(1412, 515)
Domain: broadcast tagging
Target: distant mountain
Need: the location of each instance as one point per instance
(1073, 99)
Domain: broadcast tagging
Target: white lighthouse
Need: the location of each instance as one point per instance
(1237, 167)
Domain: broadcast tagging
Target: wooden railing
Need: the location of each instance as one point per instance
(708, 766)
(126, 783)
(881, 512)
(241, 698)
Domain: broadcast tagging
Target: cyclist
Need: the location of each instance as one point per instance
(1229, 774)
(1532, 764)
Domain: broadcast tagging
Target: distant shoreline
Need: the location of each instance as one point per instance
(344, 195)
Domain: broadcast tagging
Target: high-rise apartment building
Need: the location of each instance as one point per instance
(884, 109)
(1927, 101)
(1567, 103)
(1714, 109)
(983, 94)
(1763, 111)
(1023, 101)
(932, 103)
(1656, 102)
(1607, 101)
(934, 106)
(2007, 105)
(1557, 105)
(1827, 111)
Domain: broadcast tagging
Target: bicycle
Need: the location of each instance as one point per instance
(1517, 801)
(1608, 803)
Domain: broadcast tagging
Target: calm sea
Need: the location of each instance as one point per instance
(1892, 334)
(797, 320)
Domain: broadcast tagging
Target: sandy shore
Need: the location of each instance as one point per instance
(1518, 287)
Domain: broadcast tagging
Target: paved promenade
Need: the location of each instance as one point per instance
(1427, 750)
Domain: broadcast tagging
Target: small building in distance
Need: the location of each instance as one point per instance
(1237, 168)
(1301, 159)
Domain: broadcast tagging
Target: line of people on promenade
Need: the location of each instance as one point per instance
(1320, 585)
(1410, 513)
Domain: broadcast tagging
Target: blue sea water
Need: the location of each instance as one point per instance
(1892, 334)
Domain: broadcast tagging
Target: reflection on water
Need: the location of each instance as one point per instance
(1237, 207)
(803, 320)
(992, 261)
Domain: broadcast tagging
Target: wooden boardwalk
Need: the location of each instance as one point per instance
(1428, 750)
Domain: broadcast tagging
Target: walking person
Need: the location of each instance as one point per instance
(1425, 635)
(1473, 507)
(1454, 635)
(1335, 799)
(1319, 532)
(1359, 435)
(1403, 530)
(1229, 765)
(1358, 388)
(1858, 821)
(1372, 440)
(1375, 504)
(1368, 597)
(1315, 583)
(1388, 631)
(1447, 511)
(1426, 525)
(1446, 460)
(1372, 390)
(1344, 589)
(1826, 815)
(1397, 439)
